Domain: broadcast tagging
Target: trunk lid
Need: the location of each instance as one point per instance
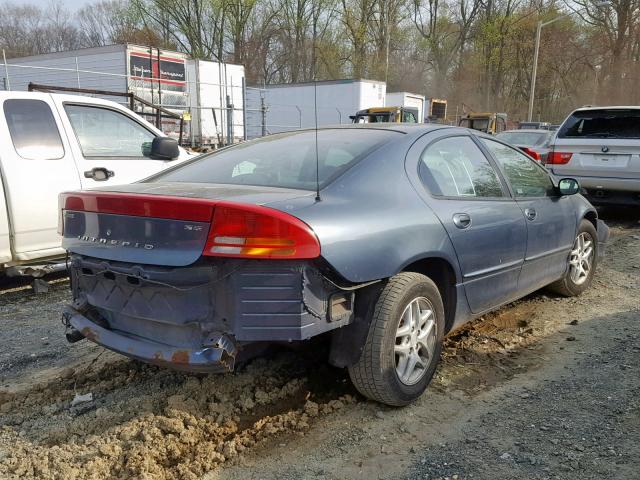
(155, 224)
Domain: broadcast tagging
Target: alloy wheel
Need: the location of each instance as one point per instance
(581, 258)
(415, 344)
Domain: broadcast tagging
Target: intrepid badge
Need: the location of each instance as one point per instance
(115, 243)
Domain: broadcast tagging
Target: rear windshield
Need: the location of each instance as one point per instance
(606, 123)
(527, 139)
(285, 160)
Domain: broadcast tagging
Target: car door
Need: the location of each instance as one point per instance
(550, 217)
(484, 223)
(37, 164)
(108, 139)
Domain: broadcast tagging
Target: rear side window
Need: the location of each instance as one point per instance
(285, 160)
(33, 129)
(105, 133)
(456, 167)
(604, 123)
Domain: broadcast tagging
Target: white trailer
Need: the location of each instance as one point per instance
(406, 99)
(216, 101)
(292, 106)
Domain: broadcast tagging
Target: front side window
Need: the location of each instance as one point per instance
(286, 160)
(456, 167)
(105, 133)
(33, 129)
(526, 177)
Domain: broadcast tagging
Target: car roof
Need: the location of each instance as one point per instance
(587, 108)
(417, 128)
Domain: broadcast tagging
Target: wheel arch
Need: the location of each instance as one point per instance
(442, 273)
(592, 216)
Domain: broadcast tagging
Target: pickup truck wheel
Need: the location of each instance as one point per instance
(581, 262)
(403, 346)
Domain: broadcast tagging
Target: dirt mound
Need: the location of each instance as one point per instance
(145, 422)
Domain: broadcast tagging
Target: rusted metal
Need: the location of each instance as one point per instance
(132, 97)
(89, 91)
(90, 334)
(180, 356)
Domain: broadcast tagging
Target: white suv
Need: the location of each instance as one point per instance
(600, 146)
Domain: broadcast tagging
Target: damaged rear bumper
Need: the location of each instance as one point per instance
(220, 357)
(200, 317)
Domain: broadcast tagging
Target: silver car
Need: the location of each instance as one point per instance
(534, 142)
(600, 146)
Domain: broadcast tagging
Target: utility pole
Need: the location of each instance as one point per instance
(534, 72)
(532, 93)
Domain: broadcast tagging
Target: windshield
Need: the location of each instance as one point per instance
(526, 139)
(605, 123)
(481, 124)
(285, 160)
(375, 118)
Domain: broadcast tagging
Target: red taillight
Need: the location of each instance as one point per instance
(558, 158)
(532, 153)
(251, 231)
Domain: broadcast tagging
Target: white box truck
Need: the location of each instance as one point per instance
(162, 77)
(293, 106)
(408, 100)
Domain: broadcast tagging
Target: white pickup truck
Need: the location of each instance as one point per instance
(51, 143)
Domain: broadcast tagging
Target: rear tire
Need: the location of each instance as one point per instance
(404, 343)
(581, 264)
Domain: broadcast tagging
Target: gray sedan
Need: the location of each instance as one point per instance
(379, 239)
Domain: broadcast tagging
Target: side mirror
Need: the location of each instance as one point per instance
(568, 186)
(164, 148)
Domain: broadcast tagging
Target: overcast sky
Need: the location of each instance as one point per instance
(70, 4)
(75, 4)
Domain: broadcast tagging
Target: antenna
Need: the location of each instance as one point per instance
(315, 112)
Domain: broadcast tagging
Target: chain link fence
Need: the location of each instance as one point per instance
(201, 112)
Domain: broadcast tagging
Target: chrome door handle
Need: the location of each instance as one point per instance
(530, 213)
(462, 220)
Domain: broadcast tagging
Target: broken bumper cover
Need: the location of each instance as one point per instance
(217, 358)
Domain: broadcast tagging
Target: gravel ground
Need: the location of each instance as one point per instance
(544, 388)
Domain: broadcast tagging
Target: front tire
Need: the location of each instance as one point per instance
(581, 262)
(404, 342)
